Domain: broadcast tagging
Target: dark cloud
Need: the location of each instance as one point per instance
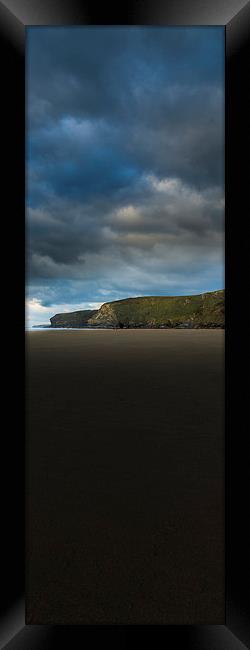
(104, 71)
(125, 158)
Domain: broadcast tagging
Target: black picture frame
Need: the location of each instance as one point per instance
(15, 16)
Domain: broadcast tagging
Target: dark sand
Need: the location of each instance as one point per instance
(125, 477)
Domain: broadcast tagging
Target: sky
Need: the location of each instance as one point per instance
(125, 165)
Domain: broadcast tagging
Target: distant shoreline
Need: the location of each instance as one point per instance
(96, 328)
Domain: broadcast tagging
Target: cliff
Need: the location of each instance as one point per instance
(203, 310)
(73, 319)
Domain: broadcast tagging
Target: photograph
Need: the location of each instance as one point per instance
(125, 325)
(125, 460)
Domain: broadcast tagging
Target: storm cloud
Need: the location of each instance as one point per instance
(125, 163)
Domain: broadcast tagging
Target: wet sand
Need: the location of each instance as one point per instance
(125, 477)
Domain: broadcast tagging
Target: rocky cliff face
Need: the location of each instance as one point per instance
(73, 319)
(204, 310)
(105, 316)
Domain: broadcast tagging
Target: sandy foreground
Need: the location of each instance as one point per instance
(125, 477)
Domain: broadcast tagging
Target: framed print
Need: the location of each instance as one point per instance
(125, 496)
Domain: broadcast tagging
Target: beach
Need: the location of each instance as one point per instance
(125, 477)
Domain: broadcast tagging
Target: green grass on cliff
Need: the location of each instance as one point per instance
(202, 310)
(166, 310)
